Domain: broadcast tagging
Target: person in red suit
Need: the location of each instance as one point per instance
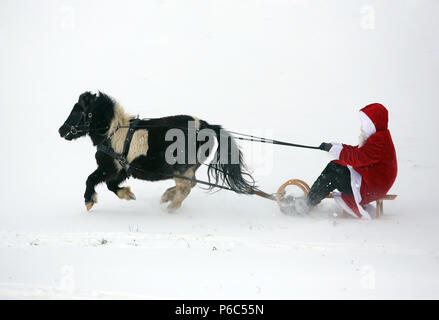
(362, 173)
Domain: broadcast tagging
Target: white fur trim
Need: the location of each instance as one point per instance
(367, 125)
(336, 150)
(356, 180)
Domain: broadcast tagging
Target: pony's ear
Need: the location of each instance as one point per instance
(85, 99)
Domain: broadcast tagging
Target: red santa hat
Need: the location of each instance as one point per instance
(374, 117)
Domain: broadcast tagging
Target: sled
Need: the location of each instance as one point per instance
(280, 194)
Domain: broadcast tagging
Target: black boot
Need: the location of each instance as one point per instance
(334, 176)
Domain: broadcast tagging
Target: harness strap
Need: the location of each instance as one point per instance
(105, 146)
(129, 137)
(109, 151)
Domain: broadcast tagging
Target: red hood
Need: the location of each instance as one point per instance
(378, 114)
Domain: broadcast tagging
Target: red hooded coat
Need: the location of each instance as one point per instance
(373, 166)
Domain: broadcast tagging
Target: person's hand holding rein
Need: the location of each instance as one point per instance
(325, 146)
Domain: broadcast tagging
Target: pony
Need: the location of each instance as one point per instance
(132, 147)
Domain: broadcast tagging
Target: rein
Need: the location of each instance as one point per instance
(240, 136)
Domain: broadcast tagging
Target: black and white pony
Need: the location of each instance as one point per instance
(108, 125)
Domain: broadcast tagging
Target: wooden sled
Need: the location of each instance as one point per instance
(305, 188)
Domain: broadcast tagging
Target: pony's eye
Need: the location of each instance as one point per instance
(90, 115)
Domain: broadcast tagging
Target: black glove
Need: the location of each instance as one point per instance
(325, 146)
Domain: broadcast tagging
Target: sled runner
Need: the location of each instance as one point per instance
(280, 195)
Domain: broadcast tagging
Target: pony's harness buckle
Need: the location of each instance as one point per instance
(123, 161)
(105, 146)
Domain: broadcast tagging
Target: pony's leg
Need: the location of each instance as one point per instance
(182, 189)
(93, 179)
(113, 185)
(192, 175)
(168, 195)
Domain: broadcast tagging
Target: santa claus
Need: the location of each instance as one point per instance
(362, 173)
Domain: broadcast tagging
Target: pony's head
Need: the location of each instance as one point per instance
(91, 114)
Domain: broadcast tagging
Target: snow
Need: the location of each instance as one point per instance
(297, 71)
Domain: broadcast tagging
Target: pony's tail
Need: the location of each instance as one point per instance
(228, 165)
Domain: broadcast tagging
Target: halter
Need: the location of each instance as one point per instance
(74, 129)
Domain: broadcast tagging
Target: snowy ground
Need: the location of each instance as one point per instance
(294, 70)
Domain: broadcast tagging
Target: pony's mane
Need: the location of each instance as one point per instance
(120, 118)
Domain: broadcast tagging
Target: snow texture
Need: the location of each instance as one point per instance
(297, 71)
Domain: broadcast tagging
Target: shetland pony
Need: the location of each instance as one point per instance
(101, 118)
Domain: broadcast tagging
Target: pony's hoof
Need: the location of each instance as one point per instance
(93, 200)
(168, 195)
(174, 206)
(125, 193)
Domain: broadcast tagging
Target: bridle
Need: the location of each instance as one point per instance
(83, 124)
